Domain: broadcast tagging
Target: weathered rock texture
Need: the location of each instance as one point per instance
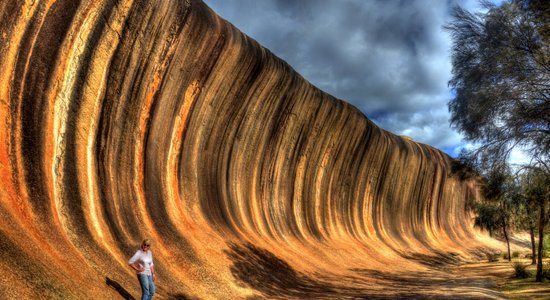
(122, 120)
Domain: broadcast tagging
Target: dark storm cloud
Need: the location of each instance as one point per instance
(389, 58)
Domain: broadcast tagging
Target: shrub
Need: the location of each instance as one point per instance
(520, 270)
(546, 243)
(546, 270)
(492, 257)
(515, 254)
(504, 255)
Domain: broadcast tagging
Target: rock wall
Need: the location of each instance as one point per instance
(122, 120)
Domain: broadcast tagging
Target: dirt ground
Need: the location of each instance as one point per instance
(501, 273)
(446, 277)
(473, 280)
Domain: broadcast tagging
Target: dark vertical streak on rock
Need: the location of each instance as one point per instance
(109, 123)
(33, 103)
(16, 89)
(72, 197)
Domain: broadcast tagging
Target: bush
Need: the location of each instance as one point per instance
(546, 242)
(492, 257)
(515, 254)
(505, 255)
(546, 270)
(520, 271)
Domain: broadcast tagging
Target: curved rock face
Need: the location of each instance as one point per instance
(123, 120)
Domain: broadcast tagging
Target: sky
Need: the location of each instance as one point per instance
(389, 58)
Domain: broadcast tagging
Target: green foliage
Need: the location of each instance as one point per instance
(520, 271)
(546, 247)
(541, 10)
(501, 78)
(546, 270)
(488, 216)
(546, 243)
(498, 190)
(498, 179)
(527, 215)
(515, 254)
(536, 184)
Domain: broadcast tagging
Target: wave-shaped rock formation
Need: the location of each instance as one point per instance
(122, 120)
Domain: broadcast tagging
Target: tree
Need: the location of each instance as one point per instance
(501, 79)
(487, 217)
(541, 10)
(538, 191)
(498, 189)
(501, 84)
(527, 210)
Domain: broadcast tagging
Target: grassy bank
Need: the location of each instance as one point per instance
(523, 288)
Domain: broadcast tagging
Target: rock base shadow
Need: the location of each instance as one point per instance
(117, 287)
(273, 278)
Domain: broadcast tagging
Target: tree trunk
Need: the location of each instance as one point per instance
(507, 240)
(542, 222)
(533, 245)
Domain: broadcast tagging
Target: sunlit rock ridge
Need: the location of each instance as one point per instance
(124, 120)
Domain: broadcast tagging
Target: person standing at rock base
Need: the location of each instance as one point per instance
(142, 262)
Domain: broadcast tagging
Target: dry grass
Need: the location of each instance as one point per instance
(525, 288)
(502, 273)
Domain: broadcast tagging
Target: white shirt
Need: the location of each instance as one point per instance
(144, 259)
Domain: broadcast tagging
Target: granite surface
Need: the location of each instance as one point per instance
(124, 120)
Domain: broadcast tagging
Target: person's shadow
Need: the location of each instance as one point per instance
(117, 287)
